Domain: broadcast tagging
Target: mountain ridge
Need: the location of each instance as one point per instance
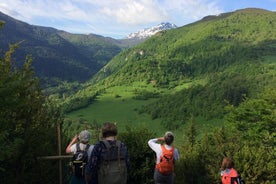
(58, 56)
(182, 34)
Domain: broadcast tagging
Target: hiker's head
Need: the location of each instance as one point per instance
(227, 163)
(168, 138)
(84, 136)
(109, 129)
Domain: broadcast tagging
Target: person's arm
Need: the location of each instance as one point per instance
(160, 139)
(176, 154)
(74, 140)
(153, 143)
(94, 161)
(155, 140)
(126, 155)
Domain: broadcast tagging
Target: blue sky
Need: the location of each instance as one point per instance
(118, 18)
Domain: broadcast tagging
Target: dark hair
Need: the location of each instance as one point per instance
(227, 163)
(109, 129)
(168, 138)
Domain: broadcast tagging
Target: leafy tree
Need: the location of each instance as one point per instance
(254, 122)
(27, 125)
(191, 132)
(235, 89)
(256, 118)
(142, 157)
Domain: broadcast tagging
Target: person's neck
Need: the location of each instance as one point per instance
(110, 138)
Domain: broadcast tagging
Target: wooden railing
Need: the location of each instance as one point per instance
(58, 157)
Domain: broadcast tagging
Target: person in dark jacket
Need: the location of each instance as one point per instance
(109, 134)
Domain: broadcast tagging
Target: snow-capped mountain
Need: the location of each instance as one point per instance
(148, 32)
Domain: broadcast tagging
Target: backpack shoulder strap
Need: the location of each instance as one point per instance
(164, 149)
(234, 180)
(118, 143)
(78, 146)
(87, 147)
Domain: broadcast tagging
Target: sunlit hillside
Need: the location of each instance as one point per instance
(194, 70)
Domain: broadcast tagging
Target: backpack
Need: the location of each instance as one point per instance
(229, 178)
(79, 160)
(112, 169)
(238, 180)
(166, 165)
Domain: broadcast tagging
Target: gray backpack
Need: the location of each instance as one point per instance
(112, 168)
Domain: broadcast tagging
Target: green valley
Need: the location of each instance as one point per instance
(194, 70)
(212, 82)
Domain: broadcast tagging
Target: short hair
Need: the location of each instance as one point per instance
(84, 136)
(227, 163)
(109, 129)
(168, 138)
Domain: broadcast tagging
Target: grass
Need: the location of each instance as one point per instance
(117, 105)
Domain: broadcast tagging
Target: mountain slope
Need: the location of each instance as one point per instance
(227, 33)
(204, 65)
(58, 56)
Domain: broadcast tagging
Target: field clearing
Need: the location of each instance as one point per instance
(118, 105)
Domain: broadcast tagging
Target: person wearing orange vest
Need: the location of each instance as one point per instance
(228, 173)
(166, 155)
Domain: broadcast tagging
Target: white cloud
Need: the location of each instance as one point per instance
(122, 11)
(107, 14)
(135, 12)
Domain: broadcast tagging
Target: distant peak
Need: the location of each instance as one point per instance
(148, 32)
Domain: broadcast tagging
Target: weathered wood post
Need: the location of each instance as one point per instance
(59, 152)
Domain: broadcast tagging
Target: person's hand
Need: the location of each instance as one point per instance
(75, 138)
(68, 148)
(160, 139)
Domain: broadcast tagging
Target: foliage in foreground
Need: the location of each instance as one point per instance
(248, 137)
(26, 129)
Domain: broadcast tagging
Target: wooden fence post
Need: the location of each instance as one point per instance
(59, 152)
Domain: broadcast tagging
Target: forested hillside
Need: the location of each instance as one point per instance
(58, 56)
(223, 59)
(27, 119)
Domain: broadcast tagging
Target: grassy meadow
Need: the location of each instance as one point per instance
(117, 104)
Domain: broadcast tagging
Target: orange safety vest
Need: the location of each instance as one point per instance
(166, 164)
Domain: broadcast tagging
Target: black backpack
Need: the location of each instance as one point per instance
(79, 160)
(112, 169)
